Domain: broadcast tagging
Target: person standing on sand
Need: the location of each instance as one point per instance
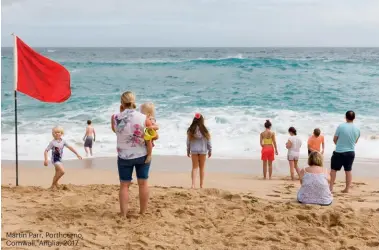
(56, 146)
(198, 145)
(129, 126)
(89, 137)
(293, 145)
(268, 144)
(345, 138)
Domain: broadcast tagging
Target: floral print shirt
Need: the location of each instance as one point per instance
(129, 126)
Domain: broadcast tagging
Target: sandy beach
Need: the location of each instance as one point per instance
(236, 210)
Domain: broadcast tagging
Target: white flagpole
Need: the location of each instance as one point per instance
(15, 99)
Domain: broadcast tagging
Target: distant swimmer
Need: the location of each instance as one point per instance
(89, 137)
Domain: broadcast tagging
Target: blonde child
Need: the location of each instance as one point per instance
(198, 145)
(148, 109)
(56, 146)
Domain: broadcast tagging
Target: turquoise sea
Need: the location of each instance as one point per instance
(236, 89)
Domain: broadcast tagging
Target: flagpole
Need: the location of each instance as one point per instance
(15, 100)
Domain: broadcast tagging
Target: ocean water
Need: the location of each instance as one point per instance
(236, 89)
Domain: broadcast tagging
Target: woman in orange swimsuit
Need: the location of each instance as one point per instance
(268, 144)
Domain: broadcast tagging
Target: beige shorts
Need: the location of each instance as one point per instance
(293, 157)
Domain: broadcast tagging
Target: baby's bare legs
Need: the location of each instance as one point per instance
(149, 147)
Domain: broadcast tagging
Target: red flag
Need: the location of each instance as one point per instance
(39, 77)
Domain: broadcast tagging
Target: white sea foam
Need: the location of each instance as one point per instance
(235, 132)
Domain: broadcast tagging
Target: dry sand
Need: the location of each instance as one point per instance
(235, 211)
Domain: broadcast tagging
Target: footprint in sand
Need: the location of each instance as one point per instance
(273, 195)
(70, 201)
(289, 186)
(373, 243)
(359, 183)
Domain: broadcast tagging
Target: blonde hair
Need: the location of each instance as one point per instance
(57, 129)
(128, 100)
(315, 159)
(148, 108)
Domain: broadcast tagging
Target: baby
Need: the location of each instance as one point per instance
(151, 135)
(56, 146)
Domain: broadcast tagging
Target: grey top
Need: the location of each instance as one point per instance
(198, 145)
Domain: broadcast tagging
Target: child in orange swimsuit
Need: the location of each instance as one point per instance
(315, 142)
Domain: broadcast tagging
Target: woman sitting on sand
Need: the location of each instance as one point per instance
(268, 144)
(315, 182)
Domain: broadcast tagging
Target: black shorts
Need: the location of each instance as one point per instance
(88, 142)
(344, 159)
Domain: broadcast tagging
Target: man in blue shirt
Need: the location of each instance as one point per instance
(345, 138)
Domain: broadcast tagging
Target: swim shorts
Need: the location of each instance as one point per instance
(88, 142)
(268, 154)
(344, 159)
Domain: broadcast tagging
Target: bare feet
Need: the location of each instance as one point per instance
(122, 215)
(346, 190)
(193, 186)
